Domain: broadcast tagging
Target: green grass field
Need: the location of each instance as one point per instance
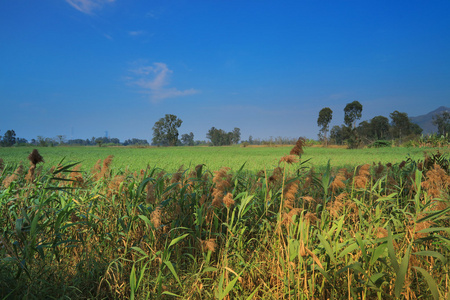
(171, 158)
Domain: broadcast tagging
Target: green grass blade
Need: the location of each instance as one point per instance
(430, 281)
(401, 274)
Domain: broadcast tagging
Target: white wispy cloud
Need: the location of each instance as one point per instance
(88, 6)
(154, 79)
(136, 32)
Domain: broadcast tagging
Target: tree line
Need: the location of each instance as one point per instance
(379, 128)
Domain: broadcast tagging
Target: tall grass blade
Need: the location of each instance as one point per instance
(430, 281)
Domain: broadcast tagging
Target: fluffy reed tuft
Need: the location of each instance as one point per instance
(289, 159)
(362, 178)
(338, 180)
(228, 200)
(436, 181)
(35, 157)
(208, 245)
(290, 191)
(222, 182)
(155, 217)
(298, 148)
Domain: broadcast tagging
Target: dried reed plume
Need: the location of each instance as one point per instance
(208, 245)
(228, 200)
(114, 185)
(151, 198)
(437, 181)
(362, 178)
(381, 232)
(277, 175)
(287, 217)
(298, 148)
(2, 164)
(155, 217)
(13, 177)
(34, 159)
(106, 163)
(222, 182)
(310, 218)
(338, 180)
(76, 177)
(289, 159)
(335, 207)
(290, 190)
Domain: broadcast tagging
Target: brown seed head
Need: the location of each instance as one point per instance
(289, 159)
(35, 157)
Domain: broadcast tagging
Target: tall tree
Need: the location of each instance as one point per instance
(219, 137)
(325, 116)
(165, 131)
(442, 122)
(187, 139)
(401, 125)
(380, 127)
(353, 112)
(9, 138)
(236, 135)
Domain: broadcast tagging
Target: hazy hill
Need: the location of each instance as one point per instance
(426, 121)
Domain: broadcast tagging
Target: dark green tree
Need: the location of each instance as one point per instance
(442, 122)
(401, 125)
(353, 112)
(325, 116)
(380, 127)
(340, 134)
(9, 138)
(188, 139)
(219, 137)
(236, 135)
(165, 131)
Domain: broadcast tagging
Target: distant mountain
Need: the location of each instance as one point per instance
(426, 121)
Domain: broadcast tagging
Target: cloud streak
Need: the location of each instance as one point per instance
(88, 6)
(154, 79)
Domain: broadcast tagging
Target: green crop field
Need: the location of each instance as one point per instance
(171, 158)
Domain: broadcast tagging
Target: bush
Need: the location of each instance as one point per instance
(380, 144)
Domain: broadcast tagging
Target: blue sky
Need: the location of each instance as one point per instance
(82, 67)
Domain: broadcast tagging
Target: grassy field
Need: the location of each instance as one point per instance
(171, 158)
(207, 232)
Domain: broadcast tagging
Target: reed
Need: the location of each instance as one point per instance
(375, 231)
